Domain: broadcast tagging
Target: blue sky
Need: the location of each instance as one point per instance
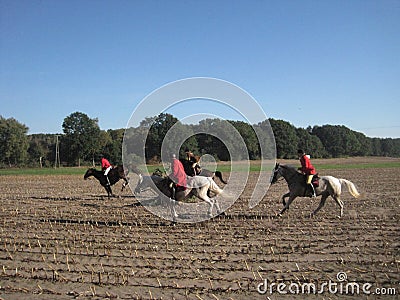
(306, 62)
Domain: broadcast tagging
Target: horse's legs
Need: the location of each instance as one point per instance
(126, 182)
(339, 202)
(201, 193)
(321, 204)
(216, 205)
(179, 196)
(283, 198)
(173, 211)
(291, 198)
(211, 203)
(109, 191)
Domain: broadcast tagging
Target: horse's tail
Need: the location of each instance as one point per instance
(214, 187)
(219, 175)
(350, 186)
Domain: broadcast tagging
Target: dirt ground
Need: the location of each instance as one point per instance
(62, 238)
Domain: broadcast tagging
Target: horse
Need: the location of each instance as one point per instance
(328, 186)
(193, 168)
(148, 183)
(114, 176)
(196, 186)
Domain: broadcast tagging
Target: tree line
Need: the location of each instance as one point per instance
(83, 142)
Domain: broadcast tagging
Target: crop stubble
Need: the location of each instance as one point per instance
(60, 237)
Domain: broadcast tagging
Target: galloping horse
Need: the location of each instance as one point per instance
(114, 176)
(328, 186)
(197, 186)
(192, 169)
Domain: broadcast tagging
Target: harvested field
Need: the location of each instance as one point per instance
(62, 238)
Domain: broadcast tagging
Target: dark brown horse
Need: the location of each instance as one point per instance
(114, 176)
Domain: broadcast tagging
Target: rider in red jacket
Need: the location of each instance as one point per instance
(106, 167)
(307, 168)
(178, 176)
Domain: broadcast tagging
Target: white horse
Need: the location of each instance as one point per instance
(328, 186)
(196, 186)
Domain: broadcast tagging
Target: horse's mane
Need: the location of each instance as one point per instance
(289, 167)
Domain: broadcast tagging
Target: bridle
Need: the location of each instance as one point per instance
(276, 171)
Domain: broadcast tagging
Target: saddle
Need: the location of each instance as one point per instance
(314, 181)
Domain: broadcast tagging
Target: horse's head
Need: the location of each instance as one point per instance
(88, 173)
(276, 175)
(158, 172)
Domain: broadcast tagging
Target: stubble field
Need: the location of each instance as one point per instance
(62, 238)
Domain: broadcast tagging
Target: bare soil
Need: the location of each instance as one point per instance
(62, 238)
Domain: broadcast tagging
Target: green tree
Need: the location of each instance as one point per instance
(159, 127)
(180, 135)
(80, 140)
(365, 148)
(286, 138)
(390, 147)
(311, 144)
(13, 142)
(41, 149)
(338, 140)
(114, 145)
(376, 147)
(249, 137)
(220, 139)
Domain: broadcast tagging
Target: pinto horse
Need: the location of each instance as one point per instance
(328, 186)
(114, 176)
(196, 186)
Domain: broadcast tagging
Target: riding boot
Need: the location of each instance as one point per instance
(108, 181)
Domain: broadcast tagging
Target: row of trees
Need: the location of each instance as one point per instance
(83, 142)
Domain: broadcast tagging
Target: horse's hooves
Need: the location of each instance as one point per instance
(175, 217)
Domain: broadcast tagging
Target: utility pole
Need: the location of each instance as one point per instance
(57, 156)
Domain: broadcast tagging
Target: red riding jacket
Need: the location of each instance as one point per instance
(178, 174)
(306, 166)
(105, 164)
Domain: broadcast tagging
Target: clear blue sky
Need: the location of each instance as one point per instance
(306, 62)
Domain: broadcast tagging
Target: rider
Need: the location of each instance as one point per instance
(307, 168)
(192, 158)
(106, 167)
(178, 176)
